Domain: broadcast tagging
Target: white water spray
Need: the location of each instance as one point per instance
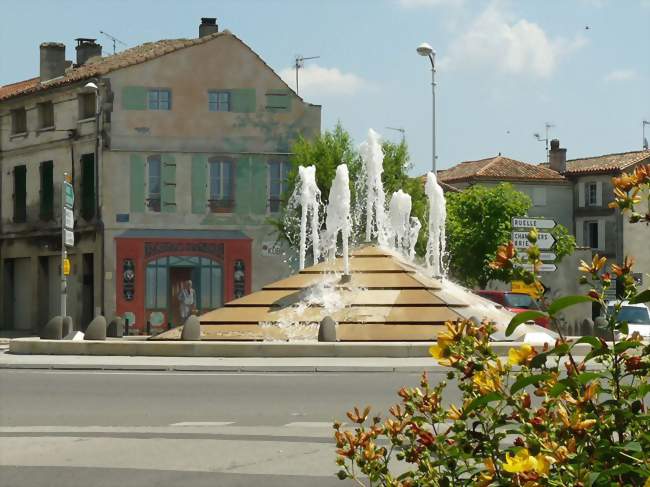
(338, 215)
(372, 156)
(437, 219)
(413, 236)
(399, 214)
(309, 203)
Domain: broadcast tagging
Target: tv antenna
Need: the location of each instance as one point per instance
(300, 63)
(547, 126)
(645, 141)
(114, 39)
(400, 130)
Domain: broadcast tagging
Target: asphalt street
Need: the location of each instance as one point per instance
(100, 428)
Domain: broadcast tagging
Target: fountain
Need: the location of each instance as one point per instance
(437, 218)
(372, 156)
(338, 215)
(309, 204)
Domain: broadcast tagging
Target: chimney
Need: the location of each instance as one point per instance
(208, 26)
(87, 48)
(557, 157)
(52, 60)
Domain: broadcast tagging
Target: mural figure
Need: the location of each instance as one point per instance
(187, 300)
(239, 276)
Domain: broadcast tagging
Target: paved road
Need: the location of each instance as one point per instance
(85, 428)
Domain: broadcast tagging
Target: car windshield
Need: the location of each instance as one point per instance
(632, 314)
(520, 301)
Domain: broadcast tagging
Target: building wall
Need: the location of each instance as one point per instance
(636, 238)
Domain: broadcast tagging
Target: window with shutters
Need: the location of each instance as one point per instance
(18, 121)
(221, 185)
(154, 170)
(88, 186)
(45, 115)
(20, 194)
(87, 107)
(219, 101)
(47, 191)
(591, 194)
(278, 173)
(159, 99)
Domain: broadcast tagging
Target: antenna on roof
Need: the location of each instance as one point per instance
(401, 130)
(300, 63)
(114, 39)
(547, 126)
(645, 141)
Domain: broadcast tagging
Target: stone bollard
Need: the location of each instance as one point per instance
(53, 329)
(68, 326)
(191, 329)
(96, 329)
(327, 330)
(115, 328)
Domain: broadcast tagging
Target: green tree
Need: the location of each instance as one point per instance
(478, 222)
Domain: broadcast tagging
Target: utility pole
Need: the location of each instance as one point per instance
(645, 141)
(67, 236)
(426, 50)
(300, 63)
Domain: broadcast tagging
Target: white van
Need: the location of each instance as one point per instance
(636, 315)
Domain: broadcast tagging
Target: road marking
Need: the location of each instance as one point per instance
(309, 424)
(203, 423)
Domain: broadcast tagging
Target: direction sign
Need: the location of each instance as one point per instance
(541, 268)
(68, 238)
(545, 241)
(540, 223)
(68, 220)
(548, 256)
(68, 194)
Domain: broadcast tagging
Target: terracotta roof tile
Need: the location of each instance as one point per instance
(606, 163)
(7, 91)
(501, 168)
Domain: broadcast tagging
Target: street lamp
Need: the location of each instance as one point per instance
(425, 49)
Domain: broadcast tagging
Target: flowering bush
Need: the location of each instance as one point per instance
(542, 417)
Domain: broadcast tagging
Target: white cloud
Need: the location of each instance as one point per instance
(495, 41)
(429, 3)
(621, 75)
(317, 80)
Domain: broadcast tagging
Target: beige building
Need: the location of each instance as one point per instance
(178, 154)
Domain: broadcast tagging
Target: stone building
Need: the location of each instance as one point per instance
(178, 153)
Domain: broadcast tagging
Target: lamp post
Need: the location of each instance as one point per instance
(425, 49)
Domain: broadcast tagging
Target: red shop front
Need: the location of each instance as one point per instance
(153, 266)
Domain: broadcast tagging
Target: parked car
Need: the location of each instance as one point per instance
(515, 302)
(636, 315)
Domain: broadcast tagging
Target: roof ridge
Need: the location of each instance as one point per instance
(610, 154)
(493, 161)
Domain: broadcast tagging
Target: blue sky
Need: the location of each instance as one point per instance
(504, 67)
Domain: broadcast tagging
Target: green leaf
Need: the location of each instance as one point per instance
(642, 297)
(539, 360)
(522, 382)
(593, 341)
(585, 377)
(558, 388)
(566, 301)
(591, 478)
(523, 317)
(623, 328)
(633, 446)
(626, 345)
(482, 401)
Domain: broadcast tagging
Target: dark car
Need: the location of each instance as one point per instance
(515, 302)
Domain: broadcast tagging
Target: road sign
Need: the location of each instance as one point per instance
(68, 192)
(66, 267)
(68, 238)
(548, 256)
(541, 268)
(540, 223)
(68, 220)
(545, 241)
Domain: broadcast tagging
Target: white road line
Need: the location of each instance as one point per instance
(203, 423)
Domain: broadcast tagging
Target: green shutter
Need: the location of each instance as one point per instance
(88, 186)
(199, 183)
(134, 98)
(278, 101)
(259, 183)
(47, 190)
(137, 183)
(20, 194)
(242, 187)
(243, 100)
(168, 181)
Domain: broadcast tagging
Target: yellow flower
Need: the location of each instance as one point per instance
(489, 380)
(520, 356)
(454, 413)
(647, 482)
(437, 352)
(524, 462)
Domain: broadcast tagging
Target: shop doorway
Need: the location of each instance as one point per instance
(178, 276)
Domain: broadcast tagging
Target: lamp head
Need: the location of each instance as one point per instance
(425, 49)
(91, 86)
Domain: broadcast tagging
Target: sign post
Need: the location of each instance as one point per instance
(67, 237)
(545, 241)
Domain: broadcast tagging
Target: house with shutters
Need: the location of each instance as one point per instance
(178, 154)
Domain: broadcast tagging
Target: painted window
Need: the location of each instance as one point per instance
(219, 101)
(592, 234)
(278, 173)
(45, 115)
(221, 185)
(153, 183)
(159, 99)
(20, 194)
(86, 105)
(591, 194)
(18, 121)
(88, 186)
(47, 191)
(157, 284)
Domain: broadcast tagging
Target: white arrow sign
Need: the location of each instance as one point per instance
(545, 241)
(542, 256)
(68, 218)
(541, 268)
(533, 223)
(68, 238)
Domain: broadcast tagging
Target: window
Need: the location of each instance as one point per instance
(157, 276)
(278, 102)
(88, 186)
(221, 185)
(159, 99)
(592, 235)
(539, 196)
(87, 107)
(219, 101)
(45, 115)
(278, 172)
(20, 194)
(211, 285)
(47, 191)
(591, 194)
(154, 183)
(18, 121)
